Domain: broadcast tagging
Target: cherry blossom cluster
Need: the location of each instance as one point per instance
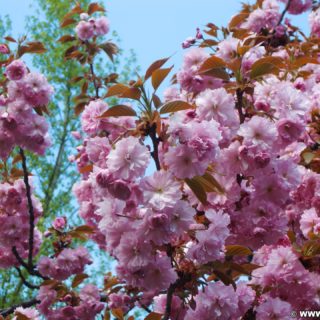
(20, 124)
(159, 231)
(88, 27)
(208, 201)
(14, 223)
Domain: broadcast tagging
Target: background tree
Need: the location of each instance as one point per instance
(55, 174)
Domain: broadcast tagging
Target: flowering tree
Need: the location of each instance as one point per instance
(207, 198)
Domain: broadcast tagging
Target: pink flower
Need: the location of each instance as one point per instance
(4, 48)
(85, 30)
(298, 6)
(183, 163)
(31, 314)
(258, 131)
(160, 190)
(314, 21)
(274, 308)
(218, 105)
(90, 117)
(59, 223)
(310, 222)
(215, 302)
(16, 70)
(101, 26)
(129, 159)
(289, 130)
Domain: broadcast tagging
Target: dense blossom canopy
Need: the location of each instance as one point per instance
(209, 201)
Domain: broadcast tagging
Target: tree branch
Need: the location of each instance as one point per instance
(25, 282)
(96, 87)
(239, 105)
(284, 12)
(155, 142)
(30, 205)
(25, 304)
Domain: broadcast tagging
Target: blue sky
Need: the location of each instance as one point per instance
(154, 29)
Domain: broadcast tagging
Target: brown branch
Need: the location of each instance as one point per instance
(184, 278)
(239, 105)
(25, 282)
(25, 304)
(96, 87)
(155, 142)
(30, 205)
(284, 12)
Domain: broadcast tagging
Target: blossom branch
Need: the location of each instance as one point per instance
(284, 12)
(25, 282)
(155, 142)
(26, 304)
(30, 205)
(239, 105)
(96, 87)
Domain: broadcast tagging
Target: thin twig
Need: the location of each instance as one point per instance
(30, 205)
(25, 282)
(284, 12)
(94, 80)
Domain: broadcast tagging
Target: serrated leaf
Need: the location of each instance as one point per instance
(154, 66)
(110, 49)
(118, 313)
(94, 7)
(78, 279)
(10, 39)
(156, 101)
(197, 189)
(67, 38)
(212, 63)
(119, 111)
(67, 22)
(153, 316)
(227, 280)
(209, 183)
(158, 76)
(265, 66)
(237, 250)
(237, 19)
(79, 108)
(117, 89)
(174, 106)
(86, 169)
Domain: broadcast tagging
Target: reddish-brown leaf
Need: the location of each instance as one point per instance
(174, 106)
(78, 279)
(119, 111)
(154, 66)
(94, 7)
(67, 38)
(158, 76)
(67, 22)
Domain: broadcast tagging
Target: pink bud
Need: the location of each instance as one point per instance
(59, 223)
(76, 135)
(120, 190)
(199, 34)
(4, 49)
